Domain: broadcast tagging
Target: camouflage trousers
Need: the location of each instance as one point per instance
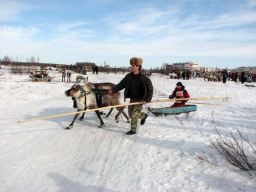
(135, 114)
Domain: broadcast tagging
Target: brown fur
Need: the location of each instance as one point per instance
(136, 61)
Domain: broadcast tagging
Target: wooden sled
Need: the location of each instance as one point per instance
(173, 111)
(46, 79)
(249, 85)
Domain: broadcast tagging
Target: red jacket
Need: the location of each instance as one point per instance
(180, 93)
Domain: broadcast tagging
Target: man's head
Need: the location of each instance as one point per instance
(136, 64)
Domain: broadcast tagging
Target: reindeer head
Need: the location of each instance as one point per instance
(74, 91)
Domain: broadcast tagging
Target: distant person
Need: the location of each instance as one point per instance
(233, 76)
(96, 69)
(253, 77)
(179, 92)
(183, 75)
(138, 87)
(194, 75)
(243, 79)
(68, 76)
(236, 76)
(224, 76)
(188, 75)
(249, 78)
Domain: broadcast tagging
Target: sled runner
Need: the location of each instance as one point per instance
(173, 111)
(249, 85)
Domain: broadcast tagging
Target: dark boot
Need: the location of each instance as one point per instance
(131, 132)
(142, 122)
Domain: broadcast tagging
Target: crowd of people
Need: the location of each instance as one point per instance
(242, 77)
(184, 74)
(222, 75)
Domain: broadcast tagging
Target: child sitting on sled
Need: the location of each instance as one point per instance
(179, 92)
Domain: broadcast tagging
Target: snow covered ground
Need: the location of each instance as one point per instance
(43, 156)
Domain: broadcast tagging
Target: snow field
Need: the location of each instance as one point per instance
(43, 156)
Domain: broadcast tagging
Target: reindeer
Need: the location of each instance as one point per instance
(212, 77)
(93, 96)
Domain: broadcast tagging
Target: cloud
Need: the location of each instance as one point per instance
(142, 31)
(235, 19)
(11, 10)
(252, 3)
(167, 25)
(74, 37)
(71, 25)
(147, 21)
(13, 35)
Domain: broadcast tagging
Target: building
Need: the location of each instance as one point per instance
(183, 66)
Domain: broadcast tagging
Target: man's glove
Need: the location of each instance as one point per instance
(171, 97)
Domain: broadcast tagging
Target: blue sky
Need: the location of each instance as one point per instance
(212, 33)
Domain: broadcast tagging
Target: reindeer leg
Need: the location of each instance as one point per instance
(82, 117)
(126, 116)
(75, 118)
(110, 111)
(101, 122)
(120, 109)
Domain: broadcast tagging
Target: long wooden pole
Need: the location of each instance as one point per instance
(122, 105)
(221, 104)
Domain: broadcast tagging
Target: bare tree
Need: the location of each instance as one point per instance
(7, 59)
(233, 151)
(164, 66)
(32, 59)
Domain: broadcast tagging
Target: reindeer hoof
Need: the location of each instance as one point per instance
(69, 127)
(101, 126)
(102, 113)
(128, 121)
(81, 119)
(117, 120)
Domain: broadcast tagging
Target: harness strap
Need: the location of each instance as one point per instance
(98, 95)
(83, 92)
(100, 90)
